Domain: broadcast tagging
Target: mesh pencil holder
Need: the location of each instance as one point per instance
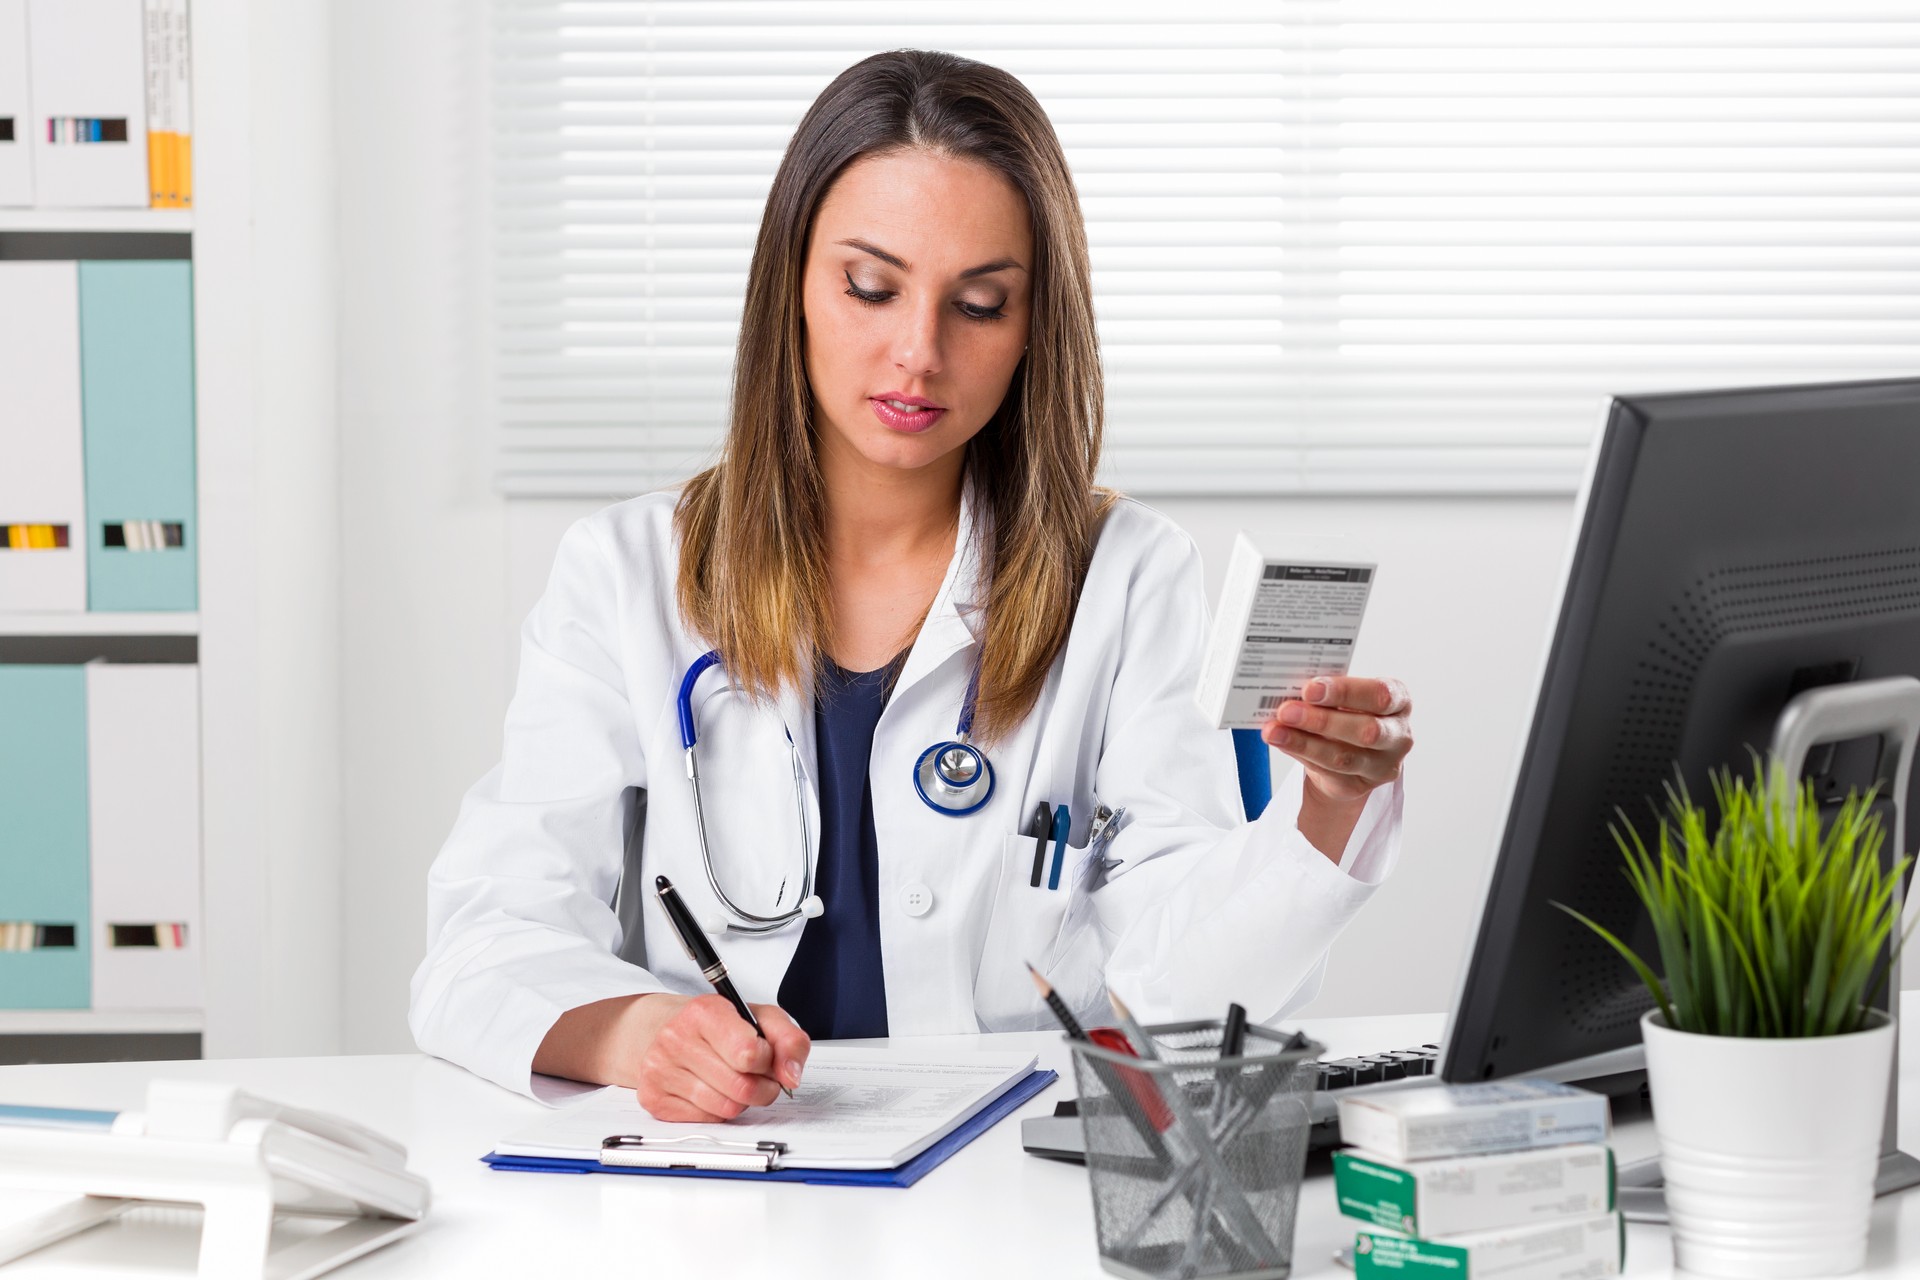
(1195, 1160)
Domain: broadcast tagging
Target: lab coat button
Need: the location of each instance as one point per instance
(916, 900)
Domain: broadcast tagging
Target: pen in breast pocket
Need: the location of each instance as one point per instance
(1039, 829)
(1062, 825)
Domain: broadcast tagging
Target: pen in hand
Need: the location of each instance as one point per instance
(704, 957)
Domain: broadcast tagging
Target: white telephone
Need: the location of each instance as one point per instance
(246, 1160)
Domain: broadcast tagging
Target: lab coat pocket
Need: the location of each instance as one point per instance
(1054, 929)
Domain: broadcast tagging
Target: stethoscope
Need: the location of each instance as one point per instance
(954, 778)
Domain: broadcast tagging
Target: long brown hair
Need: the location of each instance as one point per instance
(753, 568)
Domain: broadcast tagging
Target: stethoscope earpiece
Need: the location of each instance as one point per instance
(714, 926)
(813, 908)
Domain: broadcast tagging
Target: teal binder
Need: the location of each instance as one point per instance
(43, 833)
(136, 405)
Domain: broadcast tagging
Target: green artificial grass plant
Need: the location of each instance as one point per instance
(1767, 926)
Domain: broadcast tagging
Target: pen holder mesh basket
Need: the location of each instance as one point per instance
(1195, 1160)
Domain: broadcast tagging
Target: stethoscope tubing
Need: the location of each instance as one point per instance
(751, 922)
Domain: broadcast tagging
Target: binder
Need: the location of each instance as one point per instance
(169, 105)
(136, 374)
(16, 127)
(43, 561)
(43, 839)
(87, 66)
(143, 780)
(904, 1176)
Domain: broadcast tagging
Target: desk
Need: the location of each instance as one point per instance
(991, 1211)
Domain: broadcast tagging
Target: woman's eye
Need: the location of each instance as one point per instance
(875, 297)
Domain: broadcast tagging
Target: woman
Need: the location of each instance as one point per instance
(902, 529)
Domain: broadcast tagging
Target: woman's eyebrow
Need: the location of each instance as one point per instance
(985, 268)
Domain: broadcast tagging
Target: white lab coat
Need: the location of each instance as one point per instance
(1203, 907)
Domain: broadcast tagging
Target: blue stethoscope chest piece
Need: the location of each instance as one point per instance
(954, 778)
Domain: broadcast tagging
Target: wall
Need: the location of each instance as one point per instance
(270, 602)
(425, 637)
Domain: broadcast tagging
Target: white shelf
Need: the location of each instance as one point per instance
(99, 624)
(174, 220)
(15, 1022)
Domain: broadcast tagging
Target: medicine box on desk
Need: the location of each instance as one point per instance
(1581, 1249)
(1449, 1196)
(1459, 1120)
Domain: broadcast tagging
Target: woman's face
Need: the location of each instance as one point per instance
(917, 289)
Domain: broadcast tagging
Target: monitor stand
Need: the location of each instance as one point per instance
(1832, 713)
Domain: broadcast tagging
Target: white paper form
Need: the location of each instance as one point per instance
(854, 1109)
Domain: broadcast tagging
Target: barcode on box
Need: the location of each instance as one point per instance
(1269, 703)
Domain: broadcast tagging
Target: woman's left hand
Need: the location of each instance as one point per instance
(1350, 734)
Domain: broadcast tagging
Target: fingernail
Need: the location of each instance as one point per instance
(1292, 713)
(1284, 738)
(793, 1071)
(1316, 691)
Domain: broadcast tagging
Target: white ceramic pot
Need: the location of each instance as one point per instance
(1769, 1147)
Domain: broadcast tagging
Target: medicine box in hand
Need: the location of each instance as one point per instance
(1474, 1193)
(1283, 620)
(1472, 1119)
(1581, 1249)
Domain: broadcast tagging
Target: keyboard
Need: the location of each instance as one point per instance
(1057, 1137)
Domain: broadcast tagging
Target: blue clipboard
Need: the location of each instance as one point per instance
(904, 1176)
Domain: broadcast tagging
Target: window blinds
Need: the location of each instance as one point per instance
(1359, 247)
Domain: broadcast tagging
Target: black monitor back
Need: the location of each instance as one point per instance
(1734, 548)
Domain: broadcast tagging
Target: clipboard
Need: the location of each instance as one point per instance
(741, 1163)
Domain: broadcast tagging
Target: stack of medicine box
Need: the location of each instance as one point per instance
(1511, 1179)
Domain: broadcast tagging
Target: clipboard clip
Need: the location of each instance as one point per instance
(637, 1151)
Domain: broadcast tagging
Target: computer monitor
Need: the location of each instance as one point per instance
(1733, 548)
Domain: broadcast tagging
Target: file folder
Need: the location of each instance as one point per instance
(903, 1176)
(169, 104)
(136, 374)
(143, 772)
(43, 840)
(87, 66)
(16, 110)
(41, 486)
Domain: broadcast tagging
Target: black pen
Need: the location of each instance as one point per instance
(705, 958)
(1040, 828)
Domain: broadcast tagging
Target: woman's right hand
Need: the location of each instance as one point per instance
(688, 1058)
(692, 1058)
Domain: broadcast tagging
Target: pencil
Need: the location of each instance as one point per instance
(1142, 1042)
(1067, 1021)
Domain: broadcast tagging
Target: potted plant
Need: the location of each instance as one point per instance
(1768, 1064)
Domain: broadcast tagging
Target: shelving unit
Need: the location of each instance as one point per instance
(99, 624)
(101, 1022)
(83, 235)
(165, 221)
(265, 634)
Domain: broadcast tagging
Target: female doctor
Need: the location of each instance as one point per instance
(901, 546)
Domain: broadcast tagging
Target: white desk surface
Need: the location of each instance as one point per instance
(990, 1211)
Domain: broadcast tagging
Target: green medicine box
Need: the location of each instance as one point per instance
(1474, 1193)
(1581, 1249)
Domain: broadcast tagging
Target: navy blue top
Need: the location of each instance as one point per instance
(835, 988)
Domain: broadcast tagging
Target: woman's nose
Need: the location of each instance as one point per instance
(916, 345)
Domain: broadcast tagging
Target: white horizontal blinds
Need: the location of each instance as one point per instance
(1337, 246)
(1498, 214)
(635, 144)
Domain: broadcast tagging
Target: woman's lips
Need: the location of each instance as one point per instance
(908, 420)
